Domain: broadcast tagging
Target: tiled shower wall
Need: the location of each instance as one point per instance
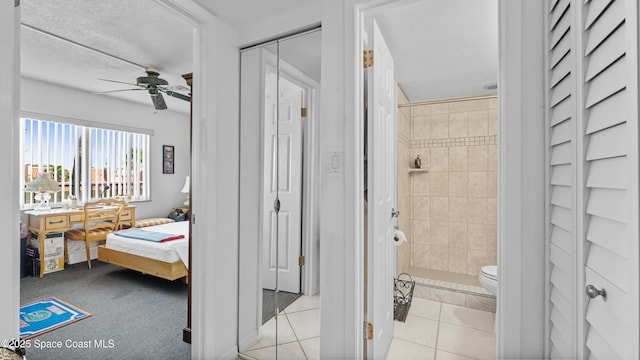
(453, 205)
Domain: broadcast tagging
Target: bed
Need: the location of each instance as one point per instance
(168, 260)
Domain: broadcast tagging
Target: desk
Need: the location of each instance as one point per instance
(60, 220)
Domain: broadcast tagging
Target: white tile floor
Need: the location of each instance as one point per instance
(439, 331)
(298, 333)
(433, 330)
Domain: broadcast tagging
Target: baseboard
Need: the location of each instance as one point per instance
(242, 356)
(230, 354)
(248, 341)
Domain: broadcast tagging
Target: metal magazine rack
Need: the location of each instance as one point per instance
(403, 287)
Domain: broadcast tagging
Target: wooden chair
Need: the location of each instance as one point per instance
(100, 218)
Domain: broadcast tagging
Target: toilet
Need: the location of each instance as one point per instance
(489, 278)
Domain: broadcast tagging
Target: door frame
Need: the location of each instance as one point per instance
(310, 238)
(310, 283)
(521, 175)
(9, 140)
(521, 212)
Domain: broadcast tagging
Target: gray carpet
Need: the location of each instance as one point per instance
(141, 314)
(269, 302)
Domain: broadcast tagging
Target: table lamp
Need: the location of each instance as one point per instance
(43, 185)
(185, 190)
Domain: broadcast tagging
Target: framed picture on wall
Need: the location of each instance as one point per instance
(167, 159)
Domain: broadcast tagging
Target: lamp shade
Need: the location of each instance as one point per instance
(185, 188)
(43, 183)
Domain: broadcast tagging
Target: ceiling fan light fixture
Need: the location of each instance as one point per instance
(155, 86)
(158, 101)
(150, 80)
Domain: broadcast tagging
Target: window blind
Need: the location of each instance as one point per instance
(87, 162)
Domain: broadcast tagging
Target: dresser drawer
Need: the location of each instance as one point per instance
(126, 215)
(76, 218)
(56, 222)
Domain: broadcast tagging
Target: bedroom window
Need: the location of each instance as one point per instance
(88, 162)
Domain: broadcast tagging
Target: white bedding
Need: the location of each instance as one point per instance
(169, 251)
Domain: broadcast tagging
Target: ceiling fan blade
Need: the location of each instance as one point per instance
(119, 82)
(113, 91)
(174, 88)
(158, 101)
(176, 95)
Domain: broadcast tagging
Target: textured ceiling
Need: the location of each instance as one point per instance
(443, 49)
(133, 30)
(242, 13)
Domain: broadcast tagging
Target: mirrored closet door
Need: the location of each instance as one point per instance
(279, 88)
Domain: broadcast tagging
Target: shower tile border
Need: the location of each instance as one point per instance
(463, 141)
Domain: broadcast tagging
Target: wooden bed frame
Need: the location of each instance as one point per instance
(161, 269)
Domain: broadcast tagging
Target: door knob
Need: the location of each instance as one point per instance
(593, 292)
(276, 205)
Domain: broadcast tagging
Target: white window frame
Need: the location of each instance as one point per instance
(112, 145)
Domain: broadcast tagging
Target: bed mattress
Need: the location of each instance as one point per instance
(170, 251)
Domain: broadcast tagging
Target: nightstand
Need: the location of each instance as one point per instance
(182, 210)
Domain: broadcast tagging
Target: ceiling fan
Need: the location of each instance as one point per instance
(155, 86)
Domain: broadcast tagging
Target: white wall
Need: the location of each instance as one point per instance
(169, 127)
(286, 22)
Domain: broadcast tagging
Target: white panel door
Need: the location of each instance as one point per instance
(283, 178)
(382, 194)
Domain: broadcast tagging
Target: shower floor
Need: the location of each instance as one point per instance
(444, 276)
(452, 288)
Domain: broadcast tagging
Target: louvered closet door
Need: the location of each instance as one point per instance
(562, 180)
(593, 178)
(611, 171)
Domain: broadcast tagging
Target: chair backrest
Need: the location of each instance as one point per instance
(117, 203)
(101, 214)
